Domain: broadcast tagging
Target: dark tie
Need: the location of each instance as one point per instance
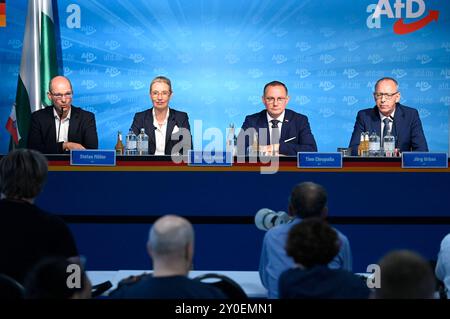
(386, 122)
(275, 134)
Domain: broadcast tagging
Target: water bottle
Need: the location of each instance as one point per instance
(142, 143)
(131, 143)
(374, 144)
(231, 140)
(389, 145)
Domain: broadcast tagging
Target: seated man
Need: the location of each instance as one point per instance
(63, 127)
(313, 244)
(289, 131)
(443, 264)
(405, 275)
(307, 200)
(27, 234)
(390, 116)
(171, 247)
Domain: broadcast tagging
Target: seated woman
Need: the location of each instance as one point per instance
(168, 130)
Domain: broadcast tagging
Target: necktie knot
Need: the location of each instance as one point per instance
(386, 121)
(274, 123)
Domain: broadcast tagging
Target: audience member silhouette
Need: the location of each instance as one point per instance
(57, 278)
(171, 247)
(405, 275)
(27, 234)
(313, 244)
(307, 200)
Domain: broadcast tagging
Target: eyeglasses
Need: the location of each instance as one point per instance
(271, 100)
(59, 96)
(387, 96)
(163, 93)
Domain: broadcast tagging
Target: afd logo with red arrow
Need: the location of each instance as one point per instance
(401, 9)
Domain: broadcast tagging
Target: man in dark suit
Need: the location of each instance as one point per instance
(390, 116)
(62, 127)
(279, 131)
(168, 130)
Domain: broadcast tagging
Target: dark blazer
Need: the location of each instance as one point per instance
(145, 120)
(295, 135)
(28, 234)
(407, 128)
(42, 135)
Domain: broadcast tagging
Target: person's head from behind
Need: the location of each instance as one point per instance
(312, 243)
(160, 92)
(405, 275)
(57, 278)
(23, 174)
(307, 200)
(171, 246)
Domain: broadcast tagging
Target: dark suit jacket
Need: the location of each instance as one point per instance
(145, 120)
(42, 135)
(407, 128)
(295, 130)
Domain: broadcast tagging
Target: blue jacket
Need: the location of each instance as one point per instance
(407, 128)
(295, 135)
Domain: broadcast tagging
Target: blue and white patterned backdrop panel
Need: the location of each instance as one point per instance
(219, 54)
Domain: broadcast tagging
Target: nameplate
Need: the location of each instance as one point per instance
(202, 158)
(93, 157)
(319, 160)
(424, 160)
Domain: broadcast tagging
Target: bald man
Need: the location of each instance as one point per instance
(171, 247)
(62, 127)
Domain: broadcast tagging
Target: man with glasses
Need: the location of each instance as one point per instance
(279, 131)
(62, 127)
(165, 127)
(390, 116)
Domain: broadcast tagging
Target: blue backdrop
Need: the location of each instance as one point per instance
(219, 55)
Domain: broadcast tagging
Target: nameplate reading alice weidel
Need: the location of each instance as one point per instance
(319, 160)
(424, 160)
(93, 157)
(211, 158)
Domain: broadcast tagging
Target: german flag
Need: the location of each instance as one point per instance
(2, 13)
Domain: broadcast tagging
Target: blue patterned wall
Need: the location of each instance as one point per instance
(219, 55)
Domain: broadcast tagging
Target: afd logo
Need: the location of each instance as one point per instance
(424, 58)
(350, 100)
(423, 86)
(326, 85)
(279, 58)
(255, 73)
(302, 100)
(113, 98)
(351, 73)
(255, 46)
(399, 73)
(112, 44)
(327, 58)
(112, 72)
(303, 73)
(136, 57)
(88, 56)
(137, 85)
(89, 84)
(303, 46)
(410, 9)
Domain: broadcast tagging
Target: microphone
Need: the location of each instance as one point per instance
(266, 218)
